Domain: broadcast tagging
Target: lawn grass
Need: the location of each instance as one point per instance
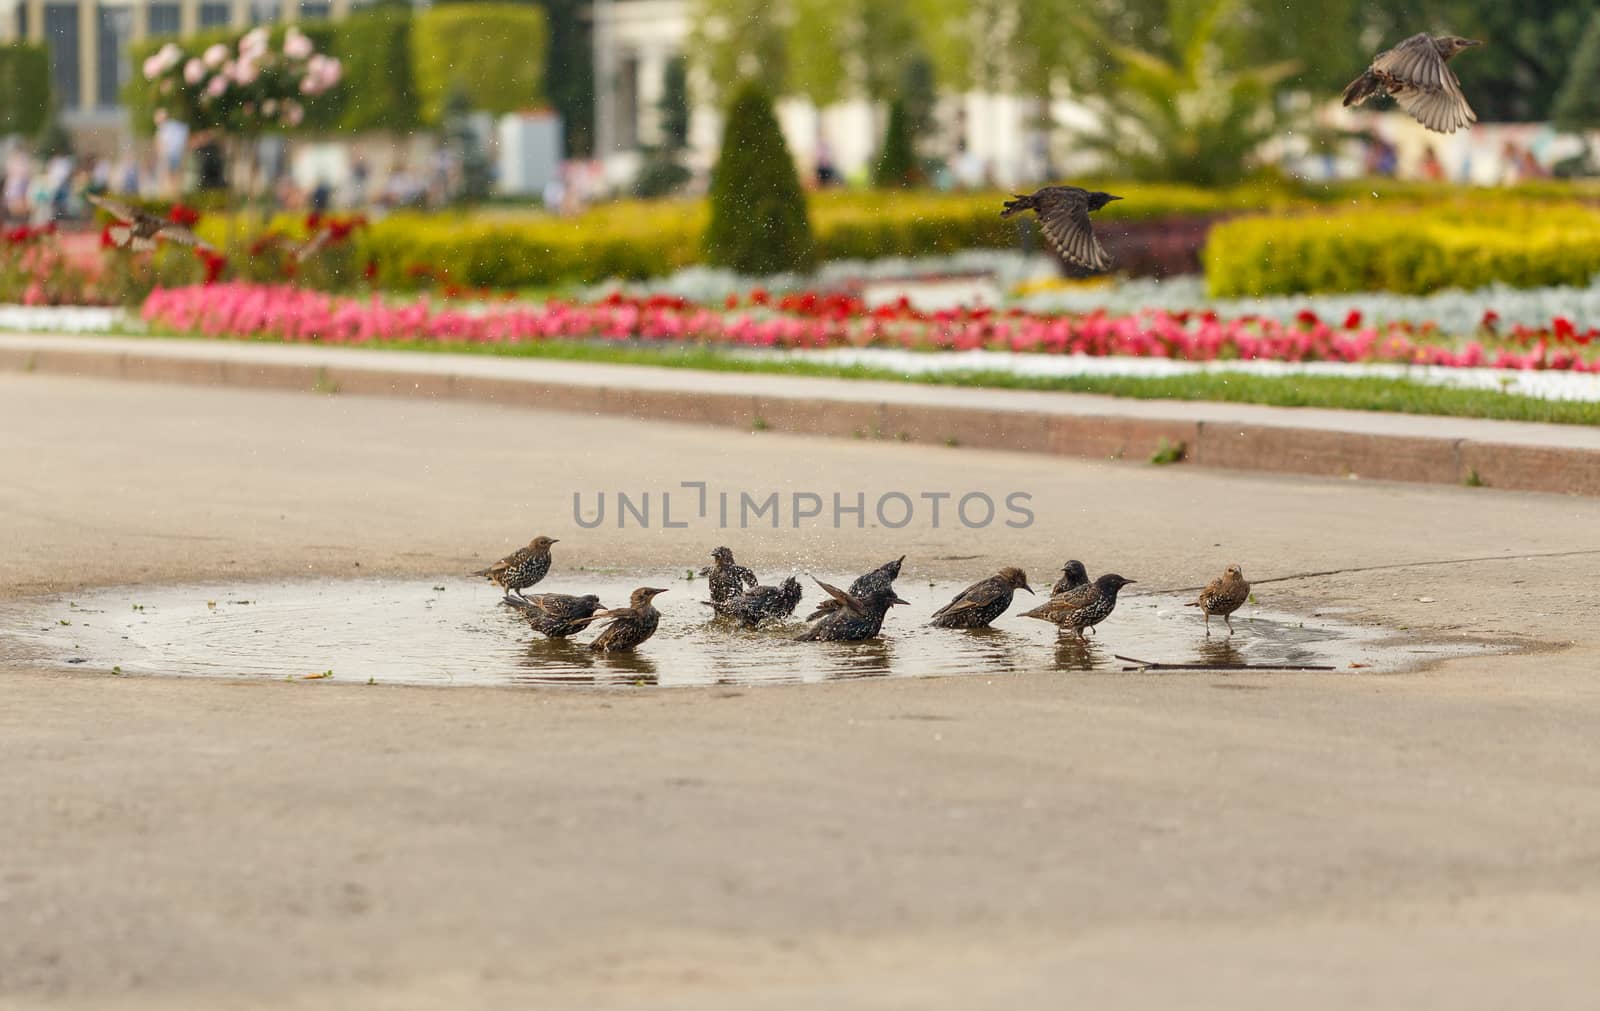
(1400, 396)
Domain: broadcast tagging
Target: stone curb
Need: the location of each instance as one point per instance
(1276, 448)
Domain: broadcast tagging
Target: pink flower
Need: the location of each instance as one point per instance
(215, 56)
(254, 43)
(246, 71)
(296, 45)
(293, 113)
(153, 67)
(217, 86)
(193, 72)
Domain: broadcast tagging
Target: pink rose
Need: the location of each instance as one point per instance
(296, 45)
(216, 55)
(153, 67)
(194, 71)
(246, 71)
(293, 113)
(217, 86)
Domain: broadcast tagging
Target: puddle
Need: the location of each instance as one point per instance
(456, 632)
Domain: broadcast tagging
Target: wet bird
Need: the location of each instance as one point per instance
(761, 603)
(138, 230)
(1415, 75)
(522, 568)
(728, 577)
(556, 615)
(629, 626)
(881, 578)
(1084, 607)
(1063, 213)
(1223, 596)
(854, 616)
(1073, 575)
(983, 601)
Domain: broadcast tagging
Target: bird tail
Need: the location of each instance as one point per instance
(521, 605)
(1192, 603)
(1362, 88)
(1017, 206)
(483, 572)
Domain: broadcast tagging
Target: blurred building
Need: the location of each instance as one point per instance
(89, 39)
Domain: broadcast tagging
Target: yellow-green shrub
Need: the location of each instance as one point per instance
(1466, 243)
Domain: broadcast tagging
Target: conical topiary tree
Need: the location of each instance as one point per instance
(897, 161)
(1577, 107)
(759, 223)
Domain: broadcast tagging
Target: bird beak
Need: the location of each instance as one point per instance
(555, 540)
(1473, 42)
(1110, 197)
(1129, 582)
(1025, 586)
(897, 600)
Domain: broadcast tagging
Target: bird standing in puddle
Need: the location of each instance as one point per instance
(728, 578)
(556, 615)
(854, 616)
(1223, 596)
(1084, 607)
(983, 601)
(522, 568)
(880, 579)
(760, 603)
(629, 626)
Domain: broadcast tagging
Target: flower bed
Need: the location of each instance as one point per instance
(813, 320)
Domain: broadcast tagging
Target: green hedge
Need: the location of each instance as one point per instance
(24, 88)
(496, 51)
(1415, 250)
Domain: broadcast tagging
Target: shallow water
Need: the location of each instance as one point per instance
(455, 631)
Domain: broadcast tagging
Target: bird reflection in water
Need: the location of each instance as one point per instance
(1073, 653)
(565, 662)
(995, 649)
(870, 658)
(1218, 653)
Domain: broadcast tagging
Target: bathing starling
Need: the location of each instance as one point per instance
(1073, 575)
(728, 577)
(1085, 607)
(138, 230)
(1415, 75)
(556, 615)
(629, 625)
(522, 568)
(854, 616)
(1063, 213)
(983, 601)
(761, 603)
(1223, 596)
(881, 578)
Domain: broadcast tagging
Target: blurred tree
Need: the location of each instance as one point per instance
(1577, 107)
(662, 171)
(1184, 116)
(759, 223)
(53, 138)
(742, 40)
(462, 141)
(1527, 53)
(24, 88)
(897, 160)
(496, 51)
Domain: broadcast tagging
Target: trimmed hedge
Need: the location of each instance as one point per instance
(496, 51)
(24, 88)
(1469, 244)
(759, 219)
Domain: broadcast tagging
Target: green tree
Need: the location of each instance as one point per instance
(896, 167)
(374, 45)
(496, 51)
(743, 40)
(759, 223)
(462, 141)
(662, 171)
(1577, 105)
(24, 88)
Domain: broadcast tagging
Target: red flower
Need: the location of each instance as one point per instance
(758, 296)
(1306, 317)
(188, 217)
(1352, 320)
(419, 270)
(313, 221)
(370, 271)
(731, 302)
(106, 242)
(1564, 329)
(214, 262)
(1490, 319)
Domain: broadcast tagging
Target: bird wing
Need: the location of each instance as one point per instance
(557, 605)
(1212, 589)
(1065, 603)
(1429, 90)
(744, 576)
(845, 600)
(184, 237)
(1064, 217)
(116, 208)
(977, 595)
(313, 245)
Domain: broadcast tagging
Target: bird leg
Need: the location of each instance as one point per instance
(1229, 619)
(1208, 623)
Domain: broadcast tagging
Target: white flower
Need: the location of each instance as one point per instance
(217, 86)
(194, 72)
(153, 67)
(246, 71)
(216, 55)
(254, 43)
(296, 45)
(169, 55)
(332, 72)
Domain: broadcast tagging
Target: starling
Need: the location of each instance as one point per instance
(138, 230)
(1073, 575)
(1415, 75)
(629, 625)
(1084, 607)
(854, 616)
(1223, 596)
(881, 578)
(983, 601)
(522, 568)
(728, 577)
(1063, 213)
(556, 615)
(761, 603)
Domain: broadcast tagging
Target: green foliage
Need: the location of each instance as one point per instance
(1577, 105)
(375, 47)
(462, 140)
(1469, 244)
(742, 40)
(495, 50)
(53, 137)
(673, 108)
(1184, 117)
(759, 223)
(897, 160)
(24, 88)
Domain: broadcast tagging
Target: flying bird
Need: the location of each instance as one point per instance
(629, 626)
(854, 616)
(556, 615)
(139, 230)
(1084, 607)
(761, 603)
(1223, 596)
(1063, 213)
(983, 601)
(881, 578)
(522, 568)
(1415, 75)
